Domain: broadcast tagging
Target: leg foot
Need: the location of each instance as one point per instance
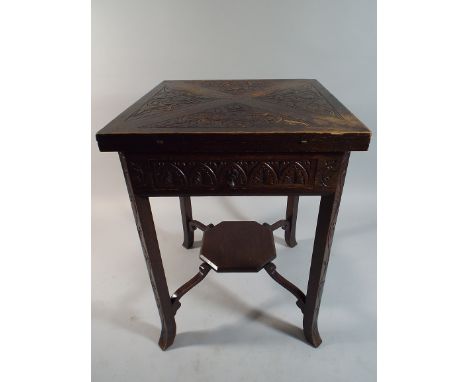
(167, 336)
(312, 336)
(291, 217)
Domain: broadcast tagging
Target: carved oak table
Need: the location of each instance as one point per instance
(245, 137)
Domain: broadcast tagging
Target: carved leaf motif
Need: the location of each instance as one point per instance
(263, 174)
(166, 100)
(294, 173)
(306, 98)
(168, 175)
(233, 115)
(218, 174)
(235, 87)
(234, 175)
(202, 175)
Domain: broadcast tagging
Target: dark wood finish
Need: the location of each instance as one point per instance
(235, 116)
(233, 246)
(242, 174)
(291, 217)
(328, 213)
(186, 211)
(279, 224)
(236, 137)
(149, 242)
(194, 224)
(195, 280)
(270, 268)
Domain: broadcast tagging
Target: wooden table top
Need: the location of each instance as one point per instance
(297, 115)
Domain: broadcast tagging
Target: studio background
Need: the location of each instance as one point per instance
(240, 326)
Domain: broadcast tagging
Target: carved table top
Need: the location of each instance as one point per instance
(236, 116)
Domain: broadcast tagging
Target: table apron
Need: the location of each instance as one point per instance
(233, 174)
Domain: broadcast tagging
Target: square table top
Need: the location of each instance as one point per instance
(293, 115)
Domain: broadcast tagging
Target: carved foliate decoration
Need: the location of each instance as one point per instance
(243, 104)
(168, 99)
(306, 98)
(327, 173)
(233, 175)
(234, 115)
(263, 174)
(168, 175)
(154, 175)
(267, 116)
(294, 173)
(236, 87)
(202, 176)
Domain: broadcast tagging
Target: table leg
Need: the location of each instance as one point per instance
(149, 242)
(291, 217)
(328, 212)
(186, 211)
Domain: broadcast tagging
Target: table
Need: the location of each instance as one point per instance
(236, 137)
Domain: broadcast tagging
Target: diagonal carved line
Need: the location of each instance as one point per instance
(225, 98)
(283, 110)
(180, 112)
(266, 90)
(197, 89)
(327, 100)
(247, 101)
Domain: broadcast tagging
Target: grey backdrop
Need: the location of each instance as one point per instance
(241, 326)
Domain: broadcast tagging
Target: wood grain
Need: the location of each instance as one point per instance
(236, 115)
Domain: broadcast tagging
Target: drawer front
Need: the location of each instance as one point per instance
(233, 175)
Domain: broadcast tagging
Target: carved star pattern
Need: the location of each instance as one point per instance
(234, 104)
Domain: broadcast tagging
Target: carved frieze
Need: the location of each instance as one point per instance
(154, 175)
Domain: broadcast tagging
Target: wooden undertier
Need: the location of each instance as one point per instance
(238, 246)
